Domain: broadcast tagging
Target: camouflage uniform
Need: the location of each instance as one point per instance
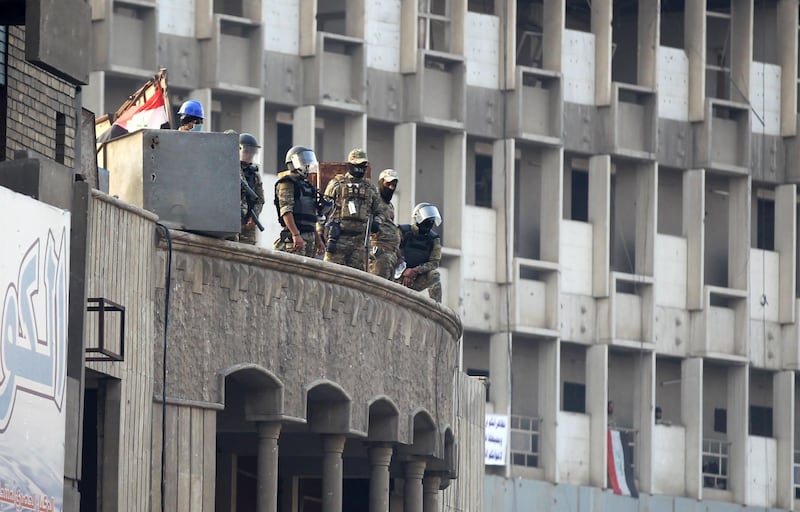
(423, 252)
(251, 176)
(355, 200)
(385, 244)
(294, 193)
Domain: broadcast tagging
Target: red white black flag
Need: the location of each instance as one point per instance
(620, 463)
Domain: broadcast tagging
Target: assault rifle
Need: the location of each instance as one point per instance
(252, 197)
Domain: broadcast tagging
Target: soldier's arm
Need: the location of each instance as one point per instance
(433, 260)
(285, 194)
(259, 190)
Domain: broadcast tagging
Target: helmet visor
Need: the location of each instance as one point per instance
(428, 212)
(305, 161)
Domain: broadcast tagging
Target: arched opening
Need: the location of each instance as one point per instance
(384, 420)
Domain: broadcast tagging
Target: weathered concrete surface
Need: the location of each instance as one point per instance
(305, 321)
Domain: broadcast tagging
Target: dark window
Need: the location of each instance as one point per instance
(580, 196)
(284, 141)
(3, 89)
(61, 137)
(482, 6)
(760, 421)
(721, 421)
(765, 227)
(483, 181)
(574, 397)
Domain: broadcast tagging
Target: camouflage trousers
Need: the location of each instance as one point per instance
(348, 250)
(247, 236)
(428, 281)
(382, 262)
(285, 244)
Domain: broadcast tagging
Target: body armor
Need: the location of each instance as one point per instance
(416, 247)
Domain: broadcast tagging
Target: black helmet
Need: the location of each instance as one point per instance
(302, 160)
(248, 139)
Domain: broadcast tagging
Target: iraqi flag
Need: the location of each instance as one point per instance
(620, 463)
(151, 114)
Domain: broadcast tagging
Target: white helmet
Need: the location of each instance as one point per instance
(426, 211)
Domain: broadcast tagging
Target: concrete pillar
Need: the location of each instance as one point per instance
(332, 472)
(600, 218)
(786, 246)
(508, 43)
(253, 121)
(551, 203)
(409, 33)
(308, 28)
(602, 11)
(503, 152)
(549, 390)
(94, 94)
(412, 490)
(304, 123)
(204, 96)
(356, 18)
(692, 419)
(355, 134)
(787, 59)
(430, 492)
(380, 455)
(694, 39)
(267, 493)
(405, 163)
(738, 414)
(694, 214)
(646, 221)
(741, 49)
(784, 410)
(739, 233)
(554, 23)
(458, 26)
(455, 156)
(499, 372)
(644, 397)
(649, 31)
(596, 406)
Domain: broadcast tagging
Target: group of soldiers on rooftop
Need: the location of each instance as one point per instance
(351, 223)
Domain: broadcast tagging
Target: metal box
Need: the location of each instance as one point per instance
(189, 179)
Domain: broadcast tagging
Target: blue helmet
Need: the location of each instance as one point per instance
(192, 108)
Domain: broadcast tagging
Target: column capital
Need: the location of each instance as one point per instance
(414, 469)
(432, 482)
(269, 429)
(333, 443)
(380, 454)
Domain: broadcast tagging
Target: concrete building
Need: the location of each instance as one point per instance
(617, 181)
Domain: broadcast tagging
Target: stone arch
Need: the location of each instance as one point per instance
(262, 391)
(327, 407)
(383, 420)
(424, 433)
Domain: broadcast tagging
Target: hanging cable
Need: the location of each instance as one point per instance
(167, 281)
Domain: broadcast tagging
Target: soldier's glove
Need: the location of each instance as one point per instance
(331, 247)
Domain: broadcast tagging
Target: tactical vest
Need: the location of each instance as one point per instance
(416, 247)
(305, 203)
(353, 191)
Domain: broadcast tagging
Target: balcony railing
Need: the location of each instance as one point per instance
(525, 441)
(715, 463)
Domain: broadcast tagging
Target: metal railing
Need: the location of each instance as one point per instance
(715, 463)
(524, 445)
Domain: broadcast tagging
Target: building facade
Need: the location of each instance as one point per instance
(618, 186)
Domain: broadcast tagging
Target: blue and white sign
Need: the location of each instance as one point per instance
(496, 440)
(34, 272)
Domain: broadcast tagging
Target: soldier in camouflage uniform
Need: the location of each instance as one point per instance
(296, 205)
(421, 249)
(356, 209)
(248, 148)
(385, 244)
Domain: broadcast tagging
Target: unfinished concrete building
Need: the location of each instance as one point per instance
(618, 186)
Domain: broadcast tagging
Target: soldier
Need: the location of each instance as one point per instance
(191, 115)
(296, 204)
(356, 213)
(386, 242)
(251, 206)
(421, 249)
